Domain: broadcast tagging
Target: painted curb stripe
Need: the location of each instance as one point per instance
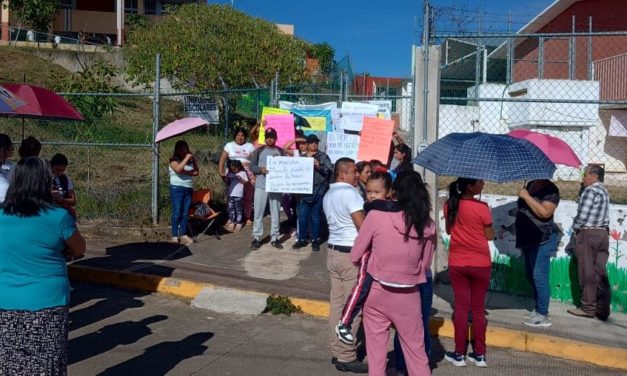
(517, 340)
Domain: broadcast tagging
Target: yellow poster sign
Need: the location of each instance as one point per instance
(317, 123)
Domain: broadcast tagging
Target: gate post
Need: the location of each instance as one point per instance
(426, 106)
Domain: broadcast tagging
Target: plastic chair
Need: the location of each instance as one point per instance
(202, 196)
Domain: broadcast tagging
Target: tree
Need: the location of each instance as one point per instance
(325, 55)
(203, 46)
(34, 14)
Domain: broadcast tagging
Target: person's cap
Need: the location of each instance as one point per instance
(312, 138)
(300, 133)
(271, 133)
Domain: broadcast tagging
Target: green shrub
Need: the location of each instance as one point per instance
(277, 304)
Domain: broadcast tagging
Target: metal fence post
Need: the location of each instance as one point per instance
(590, 77)
(541, 58)
(572, 54)
(156, 112)
(258, 104)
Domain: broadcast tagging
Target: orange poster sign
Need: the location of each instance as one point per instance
(376, 136)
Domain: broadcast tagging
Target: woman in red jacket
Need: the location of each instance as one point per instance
(469, 222)
(402, 241)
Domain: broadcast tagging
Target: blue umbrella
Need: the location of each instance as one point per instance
(9, 101)
(486, 156)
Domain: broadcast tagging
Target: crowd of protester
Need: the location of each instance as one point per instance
(379, 264)
(381, 241)
(38, 235)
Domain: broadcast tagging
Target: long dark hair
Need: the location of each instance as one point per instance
(406, 150)
(455, 191)
(180, 144)
(414, 199)
(30, 191)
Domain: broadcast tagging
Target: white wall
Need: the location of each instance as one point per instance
(590, 143)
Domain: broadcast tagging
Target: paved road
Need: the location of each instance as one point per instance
(119, 332)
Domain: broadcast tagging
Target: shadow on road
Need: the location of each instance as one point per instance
(109, 337)
(162, 357)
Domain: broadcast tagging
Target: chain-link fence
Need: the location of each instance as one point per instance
(572, 86)
(111, 158)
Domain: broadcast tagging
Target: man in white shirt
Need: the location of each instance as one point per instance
(344, 209)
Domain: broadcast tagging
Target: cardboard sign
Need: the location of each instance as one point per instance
(290, 175)
(284, 127)
(265, 112)
(376, 136)
(341, 145)
(317, 123)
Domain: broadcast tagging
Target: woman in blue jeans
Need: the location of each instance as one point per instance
(536, 237)
(182, 169)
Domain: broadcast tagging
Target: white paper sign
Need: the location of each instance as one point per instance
(385, 108)
(290, 175)
(341, 145)
(352, 115)
(364, 108)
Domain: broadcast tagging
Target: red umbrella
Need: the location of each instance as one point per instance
(41, 103)
(557, 150)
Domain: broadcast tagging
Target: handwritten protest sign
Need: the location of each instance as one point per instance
(284, 127)
(317, 123)
(290, 175)
(342, 145)
(376, 136)
(353, 114)
(265, 112)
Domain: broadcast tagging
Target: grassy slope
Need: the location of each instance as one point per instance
(112, 183)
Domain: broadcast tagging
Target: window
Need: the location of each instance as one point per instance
(130, 6)
(65, 4)
(150, 6)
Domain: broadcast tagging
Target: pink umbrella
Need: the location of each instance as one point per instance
(40, 103)
(557, 150)
(178, 127)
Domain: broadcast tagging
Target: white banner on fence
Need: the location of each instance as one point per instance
(286, 105)
(353, 115)
(385, 108)
(290, 175)
(341, 145)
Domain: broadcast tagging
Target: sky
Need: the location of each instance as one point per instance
(378, 34)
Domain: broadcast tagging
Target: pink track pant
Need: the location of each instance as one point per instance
(400, 307)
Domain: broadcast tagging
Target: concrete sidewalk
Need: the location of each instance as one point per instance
(212, 272)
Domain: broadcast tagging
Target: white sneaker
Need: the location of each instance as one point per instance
(186, 240)
(175, 240)
(538, 321)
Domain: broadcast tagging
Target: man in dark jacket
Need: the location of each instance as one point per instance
(310, 206)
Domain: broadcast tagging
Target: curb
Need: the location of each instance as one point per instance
(603, 356)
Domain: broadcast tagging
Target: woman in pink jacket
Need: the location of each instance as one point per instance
(402, 241)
